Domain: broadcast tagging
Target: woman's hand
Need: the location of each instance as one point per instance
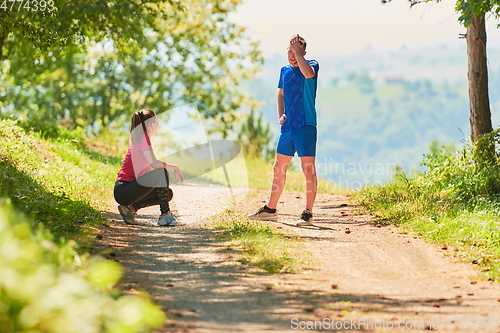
(178, 175)
(177, 171)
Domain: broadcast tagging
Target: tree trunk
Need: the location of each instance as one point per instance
(480, 114)
(3, 37)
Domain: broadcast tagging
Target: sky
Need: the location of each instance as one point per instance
(351, 26)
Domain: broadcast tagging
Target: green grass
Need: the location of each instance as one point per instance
(260, 244)
(475, 235)
(454, 203)
(54, 182)
(57, 191)
(49, 287)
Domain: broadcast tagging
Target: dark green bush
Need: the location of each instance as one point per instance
(452, 182)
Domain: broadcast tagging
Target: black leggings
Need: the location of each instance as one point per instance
(149, 189)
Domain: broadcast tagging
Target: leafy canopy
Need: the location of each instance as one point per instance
(91, 63)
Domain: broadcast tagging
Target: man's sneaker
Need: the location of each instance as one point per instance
(127, 215)
(264, 214)
(305, 219)
(169, 220)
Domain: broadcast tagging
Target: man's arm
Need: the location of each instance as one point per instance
(304, 67)
(281, 107)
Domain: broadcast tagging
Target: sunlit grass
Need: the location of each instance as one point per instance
(54, 182)
(57, 191)
(475, 234)
(454, 203)
(260, 244)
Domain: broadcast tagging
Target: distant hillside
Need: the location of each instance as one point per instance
(379, 110)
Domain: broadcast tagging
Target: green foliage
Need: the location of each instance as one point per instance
(117, 57)
(451, 183)
(455, 201)
(61, 23)
(49, 284)
(468, 8)
(259, 243)
(255, 137)
(51, 130)
(47, 287)
(56, 183)
(467, 179)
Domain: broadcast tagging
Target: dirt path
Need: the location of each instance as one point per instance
(389, 281)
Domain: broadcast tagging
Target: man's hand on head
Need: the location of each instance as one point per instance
(297, 45)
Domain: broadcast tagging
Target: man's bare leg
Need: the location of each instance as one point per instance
(309, 169)
(280, 167)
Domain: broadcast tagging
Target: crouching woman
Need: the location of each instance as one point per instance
(143, 179)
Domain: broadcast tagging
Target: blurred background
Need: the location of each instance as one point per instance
(392, 79)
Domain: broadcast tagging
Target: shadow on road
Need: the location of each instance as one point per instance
(202, 288)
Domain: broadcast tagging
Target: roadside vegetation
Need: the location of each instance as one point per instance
(260, 244)
(455, 202)
(54, 195)
(55, 182)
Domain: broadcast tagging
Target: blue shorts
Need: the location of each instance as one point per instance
(301, 140)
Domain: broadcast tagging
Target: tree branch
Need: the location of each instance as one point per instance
(412, 2)
(416, 2)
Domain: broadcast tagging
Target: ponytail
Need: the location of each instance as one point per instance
(139, 119)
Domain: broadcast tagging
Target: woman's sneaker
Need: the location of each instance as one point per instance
(305, 219)
(265, 214)
(169, 220)
(127, 215)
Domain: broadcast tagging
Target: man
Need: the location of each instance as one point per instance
(297, 116)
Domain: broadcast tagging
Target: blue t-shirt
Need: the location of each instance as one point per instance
(299, 96)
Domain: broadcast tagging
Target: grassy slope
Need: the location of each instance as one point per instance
(56, 192)
(56, 183)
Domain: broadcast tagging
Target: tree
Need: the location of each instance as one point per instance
(29, 25)
(255, 137)
(109, 58)
(473, 17)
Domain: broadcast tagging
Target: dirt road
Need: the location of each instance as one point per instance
(363, 277)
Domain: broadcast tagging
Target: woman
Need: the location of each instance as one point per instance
(143, 179)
